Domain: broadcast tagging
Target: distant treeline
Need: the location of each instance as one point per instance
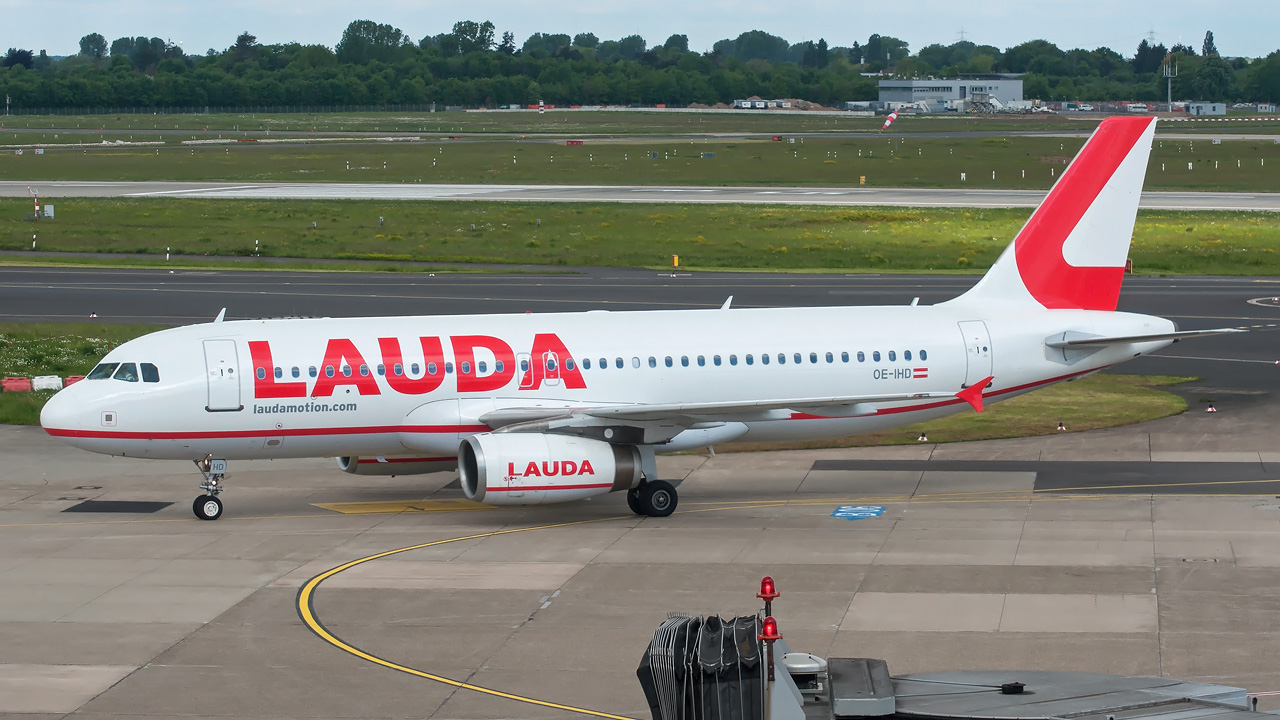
(376, 64)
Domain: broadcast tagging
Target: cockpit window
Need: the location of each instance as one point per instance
(150, 373)
(103, 371)
(127, 372)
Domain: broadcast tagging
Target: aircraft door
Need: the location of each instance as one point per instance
(222, 368)
(977, 345)
(524, 364)
(551, 369)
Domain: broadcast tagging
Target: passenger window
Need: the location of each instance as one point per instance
(346, 371)
(733, 359)
(382, 369)
(830, 358)
(524, 366)
(861, 357)
(715, 359)
(103, 371)
(311, 371)
(604, 363)
(684, 361)
(892, 356)
(464, 367)
(813, 357)
(844, 357)
(586, 363)
(128, 372)
(261, 373)
(551, 365)
(764, 358)
(295, 372)
(653, 361)
(875, 356)
(782, 358)
(702, 361)
(497, 366)
(150, 373)
(906, 355)
(635, 362)
(618, 363)
(482, 366)
(797, 358)
(448, 369)
(364, 371)
(924, 355)
(328, 371)
(568, 364)
(750, 360)
(279, 372)
(398, 370)
(667, 361)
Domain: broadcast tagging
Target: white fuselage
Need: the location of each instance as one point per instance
(218, 395)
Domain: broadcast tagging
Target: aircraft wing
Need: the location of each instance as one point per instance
(1083, 341)
(692, 412)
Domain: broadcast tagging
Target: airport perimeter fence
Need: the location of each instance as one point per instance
(237, 110)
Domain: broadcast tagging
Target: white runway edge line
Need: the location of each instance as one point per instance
(837, 196)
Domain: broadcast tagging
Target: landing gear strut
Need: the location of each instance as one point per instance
(654, 498)
(208, 506)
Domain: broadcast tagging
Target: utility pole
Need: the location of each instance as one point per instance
(1170, 72)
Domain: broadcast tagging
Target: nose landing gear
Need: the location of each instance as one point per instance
(208, 506)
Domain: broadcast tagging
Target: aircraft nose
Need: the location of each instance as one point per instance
(61, 413)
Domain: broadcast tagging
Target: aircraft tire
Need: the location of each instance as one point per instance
(207, 507)
(658, 498)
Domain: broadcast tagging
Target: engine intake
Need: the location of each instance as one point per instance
(395, 465)
(537, 468)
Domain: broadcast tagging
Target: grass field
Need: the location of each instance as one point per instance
(557, 122)
(1018, 162)
(617, 234)
(1091, 403)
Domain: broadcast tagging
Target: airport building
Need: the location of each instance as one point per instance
(1206, 108)
(991, 91)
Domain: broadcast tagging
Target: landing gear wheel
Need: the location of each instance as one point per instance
(658, 498)
(207, 507)
(633, 500)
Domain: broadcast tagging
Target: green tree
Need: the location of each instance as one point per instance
(473, 36)
(1214, 80)
(586, 40)
(1208, 48)
(93, 45)
(1263, 81)
(631, 47)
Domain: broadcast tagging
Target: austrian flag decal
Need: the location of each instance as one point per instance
(920, 372)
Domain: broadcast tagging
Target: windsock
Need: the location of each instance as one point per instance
(889, 120)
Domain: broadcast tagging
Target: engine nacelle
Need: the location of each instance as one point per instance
(395, 465)
(537, 468)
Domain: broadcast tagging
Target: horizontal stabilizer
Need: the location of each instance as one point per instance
(1129, 339)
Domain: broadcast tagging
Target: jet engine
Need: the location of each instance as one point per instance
(537, 468)
(394, 465)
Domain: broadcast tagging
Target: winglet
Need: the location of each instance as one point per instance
(973, 393)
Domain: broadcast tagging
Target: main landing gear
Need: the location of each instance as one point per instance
(654, 498)
(208, 506)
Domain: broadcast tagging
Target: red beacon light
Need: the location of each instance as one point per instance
(768, 592)
(769, 630)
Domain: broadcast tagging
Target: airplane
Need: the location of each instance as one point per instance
(543, 408)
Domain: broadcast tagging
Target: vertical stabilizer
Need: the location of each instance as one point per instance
(1071, 252)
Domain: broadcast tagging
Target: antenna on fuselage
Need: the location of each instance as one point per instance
(915, 301)
(727, 303)
(221, 314)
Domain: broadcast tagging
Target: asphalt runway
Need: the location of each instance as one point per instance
(839, 196)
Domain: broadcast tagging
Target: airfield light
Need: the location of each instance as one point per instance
(768, 592)
(769, 634)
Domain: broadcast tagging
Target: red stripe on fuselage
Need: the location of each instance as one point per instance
(291, 432)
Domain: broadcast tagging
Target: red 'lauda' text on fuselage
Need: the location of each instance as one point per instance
(345, 365)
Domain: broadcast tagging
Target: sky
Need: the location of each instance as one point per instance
(1247, 28)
